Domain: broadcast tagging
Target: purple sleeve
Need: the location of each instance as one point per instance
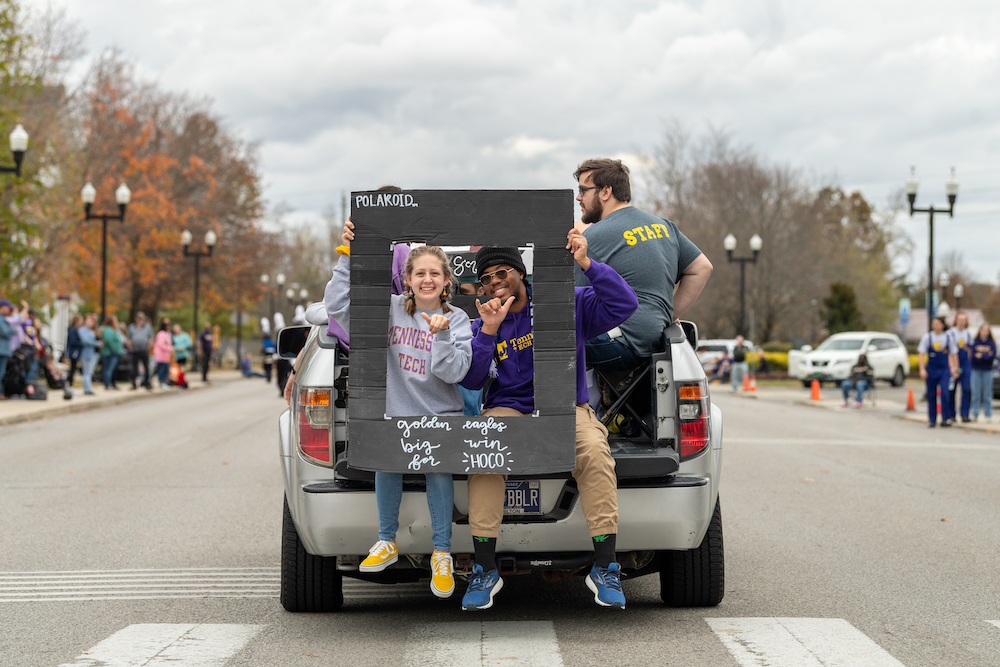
(483, 346)
(608, 302)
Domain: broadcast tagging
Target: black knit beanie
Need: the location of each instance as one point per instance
(487, 257)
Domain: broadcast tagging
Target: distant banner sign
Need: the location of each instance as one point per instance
(904, 311)
(532, 444)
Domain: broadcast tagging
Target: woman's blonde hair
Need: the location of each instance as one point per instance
(435, 251)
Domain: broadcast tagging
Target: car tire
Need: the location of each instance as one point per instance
(308, 583)
(696, 578)
(898, 378)
(807, 384)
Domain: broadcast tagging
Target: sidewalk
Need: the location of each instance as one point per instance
(14, 411)
(890, 401)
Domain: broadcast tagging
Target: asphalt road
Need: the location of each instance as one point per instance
(851, 538)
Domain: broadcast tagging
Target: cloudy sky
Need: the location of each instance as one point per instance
(351, 94)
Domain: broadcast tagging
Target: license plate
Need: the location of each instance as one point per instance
(523, 497)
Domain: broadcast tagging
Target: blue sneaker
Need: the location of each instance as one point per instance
(482, 587)
(607, 585)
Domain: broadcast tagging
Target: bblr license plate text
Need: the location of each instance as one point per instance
(523, 497)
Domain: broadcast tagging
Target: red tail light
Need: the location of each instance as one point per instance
(694, 437)
(693, 411)
(314, 442)
(315, 413)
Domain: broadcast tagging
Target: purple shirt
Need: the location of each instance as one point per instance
(608, 302)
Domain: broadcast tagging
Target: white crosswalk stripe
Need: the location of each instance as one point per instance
(513, 643)
(799, 642)
(139, 584)
(153, 644)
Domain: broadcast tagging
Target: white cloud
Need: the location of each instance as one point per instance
(514, 93)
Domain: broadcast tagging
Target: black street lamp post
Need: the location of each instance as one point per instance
(950, 189)
(122, 195)
(18, 145)
(210, 241)
(729, 243)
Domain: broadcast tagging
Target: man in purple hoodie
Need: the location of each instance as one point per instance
(502, 349)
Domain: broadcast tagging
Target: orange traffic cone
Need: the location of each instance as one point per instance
(746, 383)
(815, 390)
(910, 406)
(753, 384)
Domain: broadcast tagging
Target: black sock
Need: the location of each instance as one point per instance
(486, 552)
(604, 549)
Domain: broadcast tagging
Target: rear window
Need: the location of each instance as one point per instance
(841, 344)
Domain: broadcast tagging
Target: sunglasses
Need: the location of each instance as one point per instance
(488, 277)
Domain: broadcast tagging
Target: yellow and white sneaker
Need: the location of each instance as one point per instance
(442, 577)
(380, 556)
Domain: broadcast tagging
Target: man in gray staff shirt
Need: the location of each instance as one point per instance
(139, 335)
(650, 253)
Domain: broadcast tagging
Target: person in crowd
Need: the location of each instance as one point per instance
(7, 332)
(862, 377)
(740, 365)
(938, 361)
(163, 352)
(631, 241)
(182, 345)
(962, 336)
(139, 338)
(429, 351)
(983, 352)
(505, 323)
(31, 346)
(246, 367)
(205, 346)
(73, 347)
(267, 350)
(90, 354)
(112, 349)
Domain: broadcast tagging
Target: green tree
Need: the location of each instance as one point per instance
(840, 309)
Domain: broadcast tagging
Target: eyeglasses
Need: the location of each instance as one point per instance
(488, 277)
(583, 188)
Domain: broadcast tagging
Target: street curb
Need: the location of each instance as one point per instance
(69, 407)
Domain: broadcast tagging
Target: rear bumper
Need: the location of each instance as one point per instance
(336, 521)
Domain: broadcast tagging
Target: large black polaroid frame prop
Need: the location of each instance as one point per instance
(541, 443)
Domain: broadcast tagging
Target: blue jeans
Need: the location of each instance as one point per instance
(937, 378)
(859, 388)
(739, 369)
(163, 372)
(440, 501)
(982, 393)
(110, 366)
(472, 401)
(88, 372)
(611, 354)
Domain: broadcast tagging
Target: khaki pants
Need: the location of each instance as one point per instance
(594, 474)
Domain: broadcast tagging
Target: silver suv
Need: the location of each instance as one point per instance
(666, 440)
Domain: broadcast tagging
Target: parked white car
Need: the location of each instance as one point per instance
(833, 359)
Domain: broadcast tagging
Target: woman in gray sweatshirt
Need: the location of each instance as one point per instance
(429, 352)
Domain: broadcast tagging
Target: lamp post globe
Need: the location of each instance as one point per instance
(18, 140)
(88, 194)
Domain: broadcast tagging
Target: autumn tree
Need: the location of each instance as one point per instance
(811, 236)
(186, 171)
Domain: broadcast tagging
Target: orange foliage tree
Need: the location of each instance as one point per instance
(186, 172)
